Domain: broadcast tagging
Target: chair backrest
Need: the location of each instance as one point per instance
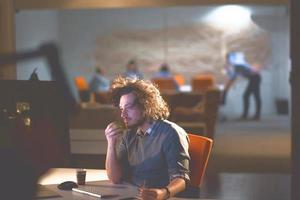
(82, 88)
(81, 83)
(165, 84)
(199, 150)
(179, 79)
(202, 82)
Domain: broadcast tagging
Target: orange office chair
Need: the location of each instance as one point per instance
(81, 83)
(199, 150)
(165, 84)
(202, 82)
(83, 88)
(179, 79)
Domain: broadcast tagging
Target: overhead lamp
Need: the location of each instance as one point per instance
(229, 17)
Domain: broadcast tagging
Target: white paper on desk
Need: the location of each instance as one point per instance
(106, 190)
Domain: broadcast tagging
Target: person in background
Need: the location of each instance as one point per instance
(164, 72)
(153, 152)
(237, 66)
(99, 83)
(132, 70)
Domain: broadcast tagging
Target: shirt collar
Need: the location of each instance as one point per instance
(148, 131)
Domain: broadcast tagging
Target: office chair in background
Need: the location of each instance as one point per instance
(202, 82)
(82, 88)
(165, 84)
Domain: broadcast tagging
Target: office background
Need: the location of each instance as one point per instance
(294, 51)
(180, 36)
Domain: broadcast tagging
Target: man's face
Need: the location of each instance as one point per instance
(131, 113)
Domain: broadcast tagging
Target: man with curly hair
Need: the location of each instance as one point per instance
(153, 152)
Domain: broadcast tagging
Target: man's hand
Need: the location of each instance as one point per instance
(176, 185)
(112, 131)
(153, 193)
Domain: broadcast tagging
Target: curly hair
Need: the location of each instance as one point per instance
(148, 96)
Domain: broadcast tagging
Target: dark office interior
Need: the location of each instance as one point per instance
(250, 159)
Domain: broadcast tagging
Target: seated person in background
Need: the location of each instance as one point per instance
(164, 72)
(99, 83)
(132, 70)
(153, 152)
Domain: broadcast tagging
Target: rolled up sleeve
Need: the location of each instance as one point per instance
(177, 156)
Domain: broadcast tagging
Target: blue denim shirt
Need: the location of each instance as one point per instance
(157, 157)
(239, 66)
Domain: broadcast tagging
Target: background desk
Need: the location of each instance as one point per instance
(97, 178)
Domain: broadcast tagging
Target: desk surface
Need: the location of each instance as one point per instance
(59, 175)
(94, 178)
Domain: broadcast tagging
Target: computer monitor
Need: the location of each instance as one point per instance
(34, 133)
(34, 114)
(39, 113)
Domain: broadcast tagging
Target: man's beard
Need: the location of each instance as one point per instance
(137, 124)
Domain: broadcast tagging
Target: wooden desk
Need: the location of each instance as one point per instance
(59, 175)
(96, 178)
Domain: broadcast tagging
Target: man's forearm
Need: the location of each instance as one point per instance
(113, 167)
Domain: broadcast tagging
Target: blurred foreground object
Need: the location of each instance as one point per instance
(30, 145)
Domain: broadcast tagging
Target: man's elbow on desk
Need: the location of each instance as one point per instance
(114, 177)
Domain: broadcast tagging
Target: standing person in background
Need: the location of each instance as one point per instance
(153, 152)
(132, 70)
(99, 83)
(237, 66)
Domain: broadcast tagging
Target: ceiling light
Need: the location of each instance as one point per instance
(230, 17)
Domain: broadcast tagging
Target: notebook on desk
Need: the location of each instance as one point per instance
(94, 191)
